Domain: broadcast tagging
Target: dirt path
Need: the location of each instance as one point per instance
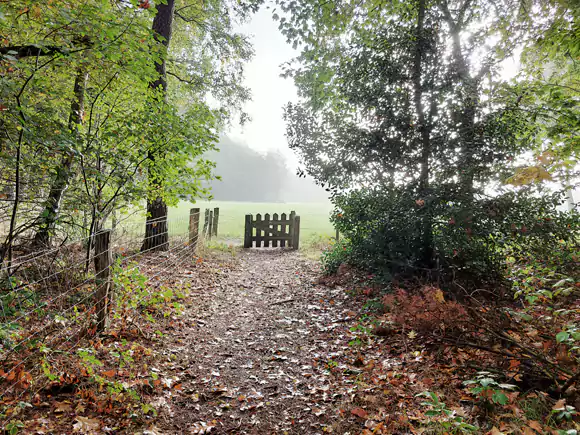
(255, 352)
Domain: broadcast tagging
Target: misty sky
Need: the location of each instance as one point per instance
(270, 92)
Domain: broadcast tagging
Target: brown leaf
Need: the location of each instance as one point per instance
(535, 425)
(110, 373)
(359, 412)
(87, 425)
(63, 407)
(317, 412)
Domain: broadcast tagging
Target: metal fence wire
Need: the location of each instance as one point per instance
(54, 301)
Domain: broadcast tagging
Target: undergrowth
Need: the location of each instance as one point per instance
(94, 375)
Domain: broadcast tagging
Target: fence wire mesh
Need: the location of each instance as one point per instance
(50, 300)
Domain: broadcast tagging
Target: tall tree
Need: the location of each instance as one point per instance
(50, 213)
(63, 181)
(392, 114)
(156, 230)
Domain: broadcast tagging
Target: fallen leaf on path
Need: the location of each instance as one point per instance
(535, 425)
(63, 407)
(359, 412)
(202, 428)
(317, 412)
(86, 425)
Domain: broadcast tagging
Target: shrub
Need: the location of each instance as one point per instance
(425, 312)
(334, 255)
(470, 239)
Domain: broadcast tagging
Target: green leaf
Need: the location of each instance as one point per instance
(500, 398)
(562, 336)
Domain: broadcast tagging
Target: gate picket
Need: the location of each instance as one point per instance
(275, 230)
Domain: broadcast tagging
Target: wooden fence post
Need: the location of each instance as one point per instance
(248, 232)
(296, 233)
(206, 222)
(103, 260)
(210, 225)
(267, 230)
(291, 228)
(193, 227)
(216, 216)
(337, 236)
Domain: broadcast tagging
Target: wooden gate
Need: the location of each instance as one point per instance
(263, 231)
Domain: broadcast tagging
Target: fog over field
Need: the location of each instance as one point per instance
(248, 175)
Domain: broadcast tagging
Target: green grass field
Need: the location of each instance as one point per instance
(315, 226)
(314, 217)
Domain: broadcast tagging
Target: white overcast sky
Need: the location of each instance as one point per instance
(270, 92)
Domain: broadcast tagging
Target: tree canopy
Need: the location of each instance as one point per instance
(99, 108)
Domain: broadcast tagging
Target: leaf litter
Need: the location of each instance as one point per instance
(264, 346)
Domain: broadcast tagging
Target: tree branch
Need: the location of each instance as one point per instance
(20, 51)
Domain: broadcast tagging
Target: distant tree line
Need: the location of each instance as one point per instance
(248, 175)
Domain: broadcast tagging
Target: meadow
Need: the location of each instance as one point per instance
(314, 218)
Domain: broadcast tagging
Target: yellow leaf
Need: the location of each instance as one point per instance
(438, 296)
(412, 335)
(36, 11)
(529, 175)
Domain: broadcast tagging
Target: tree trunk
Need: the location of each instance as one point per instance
(470, 102)
(49, 216)
(425, 140)
(156, 235)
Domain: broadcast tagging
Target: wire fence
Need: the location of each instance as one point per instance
(51, 302)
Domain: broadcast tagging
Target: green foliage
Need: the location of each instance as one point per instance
(14, 426)
(400, 124)
(89, 361)
(133, 294)
(382, 233)
(548, 87)
(80, 121)
(564, 412)
(488, 390)
(444, 417)
(334, 255)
